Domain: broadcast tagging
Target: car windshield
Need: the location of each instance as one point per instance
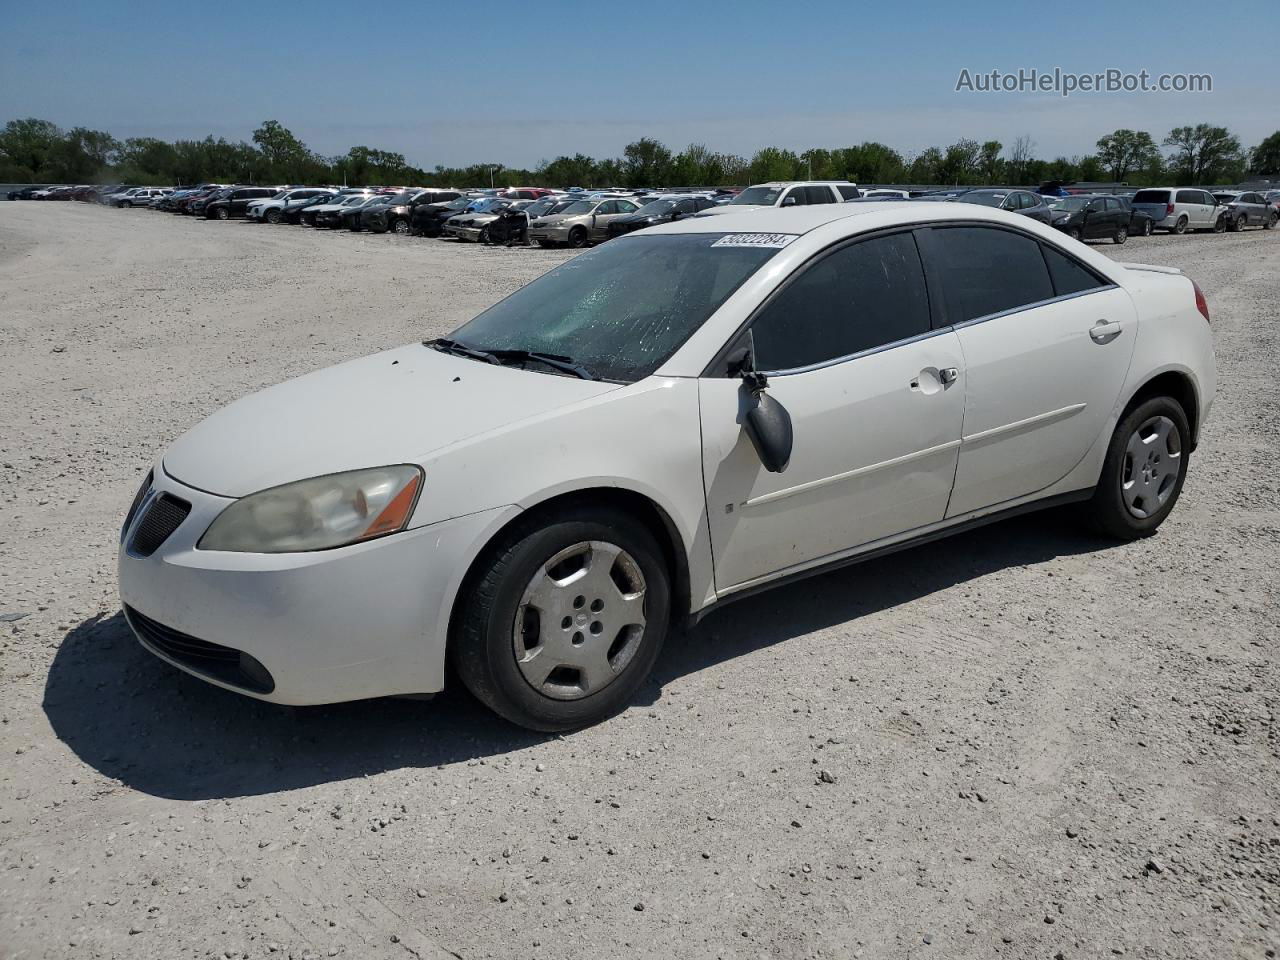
(1069, 203)
(354, 198)
(764, 196)
(404, 196)
(655, 208)
(1225, 197)
(539, 207)
(621, 309)
(986, 199)
(460, 204)
(487, 205)
(580, 206)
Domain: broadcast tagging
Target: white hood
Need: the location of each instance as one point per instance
(393, 407)
(731, 208)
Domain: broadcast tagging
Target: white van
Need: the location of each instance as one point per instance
(1179, 209)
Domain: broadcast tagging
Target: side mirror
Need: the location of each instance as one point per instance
(766, 421)
(788, 201)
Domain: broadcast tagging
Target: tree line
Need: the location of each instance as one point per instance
(37, 151)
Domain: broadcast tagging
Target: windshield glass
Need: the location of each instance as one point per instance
(656, 207)
(1224, 197)
(539, 207)
(986, 199)
(1069, 203)
(621, 309)
(766, 196)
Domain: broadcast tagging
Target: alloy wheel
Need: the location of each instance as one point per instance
(580, 620)
(1152, 464)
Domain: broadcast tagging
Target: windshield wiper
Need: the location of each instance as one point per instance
(554, 360)
(501, 356)
(445, 345)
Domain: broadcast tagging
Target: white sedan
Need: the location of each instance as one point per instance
(685, 415)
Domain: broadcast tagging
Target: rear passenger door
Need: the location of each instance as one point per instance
(822, 194)
(1046, 344)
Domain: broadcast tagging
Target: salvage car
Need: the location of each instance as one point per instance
(1022, 202)
(681, 417)
(1247, 208)
(787, 193)
(473, 223)
(231, 204)
(1086, 217)
(427, 219)
(659, 210)
(276, 209)
(580, 223)
(397, 217)
(326, 214)
(1179, 209)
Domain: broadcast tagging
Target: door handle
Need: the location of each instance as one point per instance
(948, 375)
(1104, 331)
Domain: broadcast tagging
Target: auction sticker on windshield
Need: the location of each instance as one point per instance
(774, 241)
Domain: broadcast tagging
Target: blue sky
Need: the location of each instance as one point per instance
(518, 82)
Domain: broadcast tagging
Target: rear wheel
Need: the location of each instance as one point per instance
(1181, 225)
(1270, 222)
(1143, 473)
(563, 618)
(1220, 225)
(1121, 235)
(1239, 223)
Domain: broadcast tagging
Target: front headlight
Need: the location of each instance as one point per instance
(318, 514)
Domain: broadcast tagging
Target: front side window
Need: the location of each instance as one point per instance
(762, 196)
(865, 295)
(623, 308)
(984, 270)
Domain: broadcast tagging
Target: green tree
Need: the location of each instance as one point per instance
(647, 163)
(960, 162)
(774, 163)
(871, 162)
(26, 147)
(1123, 151)
(1018, 166)
(989, 163)
(1265, 157)
(925, 167)
(1203, 153)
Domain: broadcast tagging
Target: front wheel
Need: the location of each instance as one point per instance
(1270, 222)
(1074, 233)
(224, 213)
(578, 237)
(563, 618)
(1144, 470)
(1121, 235)
(1146, 228)
(273, 215)
(400, 227)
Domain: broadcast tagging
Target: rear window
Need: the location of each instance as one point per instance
(849, 191)
(1151, 196)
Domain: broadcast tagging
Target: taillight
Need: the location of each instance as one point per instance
(1201, 303)
(1168, 209)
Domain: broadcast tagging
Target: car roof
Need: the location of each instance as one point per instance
(804, 219)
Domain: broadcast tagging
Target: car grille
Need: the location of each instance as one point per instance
(233, 667)
(163, 516)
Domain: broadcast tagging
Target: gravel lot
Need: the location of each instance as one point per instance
(1021, 742)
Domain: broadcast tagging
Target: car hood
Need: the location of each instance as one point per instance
(392, 407)
(732, 208)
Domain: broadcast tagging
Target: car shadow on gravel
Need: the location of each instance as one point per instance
(155, 729)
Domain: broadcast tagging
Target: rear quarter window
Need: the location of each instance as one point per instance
(1151, 196)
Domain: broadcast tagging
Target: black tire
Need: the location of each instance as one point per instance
(1107, 508)
(1075, 234)
(1121, 235)
(484, 235)
(400, 226)
(273, 215)
(1181, 225)
(1239, 223)
(481, 647)
(224, 213)
(1270, 222)
(1146, 228)
(1220, 225)
(578, 237)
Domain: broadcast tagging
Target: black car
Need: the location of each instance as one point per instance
(1085, 217)
(352, 217)
(228, 204)
(23, 194)
(659, 210)
(427, 220)
(397, 216)
(1024, 202)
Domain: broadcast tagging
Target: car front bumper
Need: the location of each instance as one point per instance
(463, 233)
(360, 621)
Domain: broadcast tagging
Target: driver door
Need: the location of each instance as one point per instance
(876, 401)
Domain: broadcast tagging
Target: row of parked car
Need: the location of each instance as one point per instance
(578, 218)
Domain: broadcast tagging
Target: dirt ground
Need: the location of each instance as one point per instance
(1023, 742)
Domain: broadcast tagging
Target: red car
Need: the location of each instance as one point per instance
(525, 193)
